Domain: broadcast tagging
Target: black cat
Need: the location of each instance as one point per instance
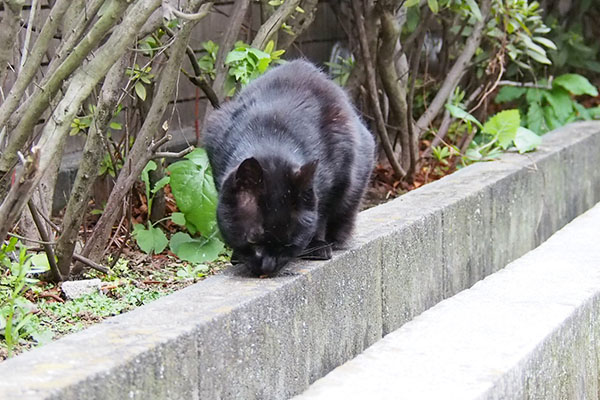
(291, 160)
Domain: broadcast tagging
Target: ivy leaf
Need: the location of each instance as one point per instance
(151, 239)
(526, 140)
(503, 126)
(575, 84)
(195, 250)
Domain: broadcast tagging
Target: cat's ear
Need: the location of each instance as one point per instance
(249, 175)
(304, 176)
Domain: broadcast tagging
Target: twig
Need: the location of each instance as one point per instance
(527, 84)
(42, 242)
(171, 11)
(372, 89)
(199, 80)
(47, 219)
(39, 224)
(52, 296)
(272, 25)
(90, 263)
(166, 154)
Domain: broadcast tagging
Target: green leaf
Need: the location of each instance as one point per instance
(552, 122)
(160, 184)
(474, 9)
(526, 140)
(541, 58)
(140, 90)
(433, 6)
(533, 95)
(546, 42)
(269, 47)
(582, 112)
(411, 3)
(151, 166)
(575, 84)
(503, 126)
(236, 55)
(195, 193)
(178, 218)
(151, 239)
(116, 126)
(535, 118)
(459, 113)
(509, 93)
(195, 250)
(561, 102)
(199, 157)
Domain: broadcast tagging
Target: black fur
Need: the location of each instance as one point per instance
(291, 160)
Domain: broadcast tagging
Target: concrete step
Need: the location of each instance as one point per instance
(529, 331)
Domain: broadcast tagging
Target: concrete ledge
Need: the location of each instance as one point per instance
(233, 336)
(529, 331)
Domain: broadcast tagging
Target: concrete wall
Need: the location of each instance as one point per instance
(232, 336)
(529, 331)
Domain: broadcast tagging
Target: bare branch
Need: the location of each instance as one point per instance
(455, 72)
(34, 59)
(372, 89)
(272, 25)
(89, 167)
(235, 23)
(299, 24)
(81, 85)
(8, 35)
(166, 154)
(30, 111)
(139, 155)
(39, 224)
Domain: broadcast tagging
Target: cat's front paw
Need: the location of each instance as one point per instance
(317, 250)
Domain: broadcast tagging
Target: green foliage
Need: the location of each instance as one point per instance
(573, 51)
(196, 196)
(16, 319)
(501, 131)
(140, 77)
(341, 69)
(194, 190)
(150, 238)
(518, 26)
(208, 60)
(247, 63)
(550, 108)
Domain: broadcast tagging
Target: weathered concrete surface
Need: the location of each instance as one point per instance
(529, 331)
(237, 337)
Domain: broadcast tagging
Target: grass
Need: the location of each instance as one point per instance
(134, 281)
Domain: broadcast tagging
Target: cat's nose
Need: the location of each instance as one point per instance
(269, 265)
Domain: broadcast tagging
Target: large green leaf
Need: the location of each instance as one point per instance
(561, 103)
(509, 93)
(535, 118)
(150, 239)
(526, 140)
(195, 250)
(503, 126)
(195, 193)
(575, 84)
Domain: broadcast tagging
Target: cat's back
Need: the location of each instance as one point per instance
(299, 98)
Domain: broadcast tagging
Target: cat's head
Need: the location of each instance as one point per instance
(267, 212)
